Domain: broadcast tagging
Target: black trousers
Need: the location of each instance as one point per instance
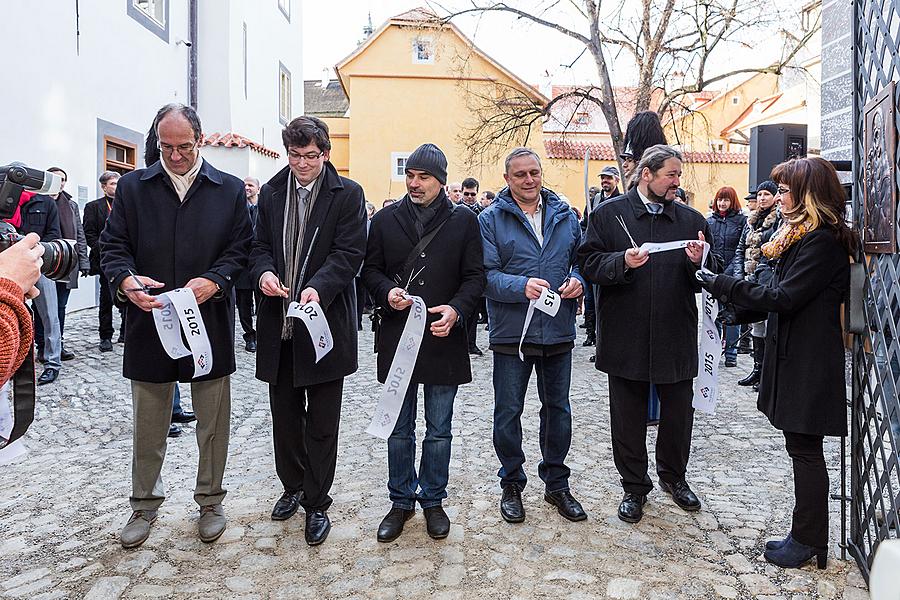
(362, 296)
(305, 425)
(106, 328)
(244, 300)
(628, 422)
(810, 523)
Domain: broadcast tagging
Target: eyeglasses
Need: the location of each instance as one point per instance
(309, 157)
(182, 149)
(783, 190)
(470, 194)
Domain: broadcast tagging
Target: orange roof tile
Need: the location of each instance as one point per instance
(234, 140)
(575, 150)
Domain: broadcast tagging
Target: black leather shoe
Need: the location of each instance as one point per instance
(593, 358)
(631, 508)
(317, 527)
(121, 338)
(566, 505)
(681, 494)
(184, 416)
(286, 506)
(66, 354)
(476, 351)
(48, 376)
(392, 524)
(511, 508)
(589, 342)
(250, 346)
(437, 523)
(730, 362)
(174, 430)
(106, 346)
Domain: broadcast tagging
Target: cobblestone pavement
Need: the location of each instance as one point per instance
(62, 505)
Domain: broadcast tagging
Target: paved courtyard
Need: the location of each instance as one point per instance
(62, 505)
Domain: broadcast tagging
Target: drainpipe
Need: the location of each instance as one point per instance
(192, 54)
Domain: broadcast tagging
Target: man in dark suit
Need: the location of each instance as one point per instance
(450, 280)
(310, 243)
(244, 287)
(179, 223)
(647, 313)
(96, 213)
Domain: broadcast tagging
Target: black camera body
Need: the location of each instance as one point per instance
(60, 256)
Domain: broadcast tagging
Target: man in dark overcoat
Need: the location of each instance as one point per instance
(179, 223)
(96, 213)
(245, 290)
(647, 324)
(310, 242)
(448, 274)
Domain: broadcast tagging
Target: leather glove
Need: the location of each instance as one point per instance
(84, 273)
(706, 278)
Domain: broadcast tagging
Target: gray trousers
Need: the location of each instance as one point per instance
(46, 308)
(152, 416)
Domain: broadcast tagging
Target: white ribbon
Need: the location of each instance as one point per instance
(312, 315)
(398, 378)
(178, 314)
(548, 303)
(706, 385)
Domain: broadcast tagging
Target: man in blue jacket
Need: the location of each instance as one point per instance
(530, 239)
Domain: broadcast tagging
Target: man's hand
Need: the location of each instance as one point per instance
(270, 286)
(397, 299)
(534, 286)
(694, 250)
(203, 288)
(442, 327)
(138, 297)
(309, 295)
(635, 258)
(22, 262)
(571, 288)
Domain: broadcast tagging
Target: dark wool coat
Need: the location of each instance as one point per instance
(339, 213)
(96, 213)
(453, 274)
(244, 281)
(152, 233)
(803, 386)
(646, 317)
(726, 233)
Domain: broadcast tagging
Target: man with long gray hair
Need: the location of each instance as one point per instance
(647, 322)
(179, 223)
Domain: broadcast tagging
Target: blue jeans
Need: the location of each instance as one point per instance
(511, 377)
(732, 333)
(434, 467)
(653, 405)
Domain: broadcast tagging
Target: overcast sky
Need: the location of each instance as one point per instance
(333, 28)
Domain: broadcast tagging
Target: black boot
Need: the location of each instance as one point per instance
(759, 348)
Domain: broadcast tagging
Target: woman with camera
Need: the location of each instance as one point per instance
(751, 264)
(727, 223)
(802, 390)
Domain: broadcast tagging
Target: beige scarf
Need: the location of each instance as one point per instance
(184, 182)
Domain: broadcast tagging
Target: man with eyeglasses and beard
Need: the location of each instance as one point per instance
(179, 223)
(310, 243)
(647, 323)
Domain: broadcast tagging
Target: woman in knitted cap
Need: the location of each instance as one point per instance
(749, 263)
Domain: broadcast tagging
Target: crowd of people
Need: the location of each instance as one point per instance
(450, 257)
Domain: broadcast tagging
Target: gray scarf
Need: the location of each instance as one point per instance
(294, 232)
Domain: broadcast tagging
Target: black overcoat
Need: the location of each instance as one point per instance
(339, 213)
(646, 317)
(245, 281)
(803, 385)
(152, 233)
(96, 212)
(453, 274)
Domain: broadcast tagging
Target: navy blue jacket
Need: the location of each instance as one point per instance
(512, 255)
(40, 216)
(726, 232)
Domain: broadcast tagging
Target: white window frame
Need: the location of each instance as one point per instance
(396, 157)
(285, 7)
(284, 104)
(161, 3)
(429, 44)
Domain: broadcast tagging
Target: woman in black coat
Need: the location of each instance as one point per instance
(726, 224)
(802, 390)
(751, 264)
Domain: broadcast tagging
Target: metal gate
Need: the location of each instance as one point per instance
(875, 408)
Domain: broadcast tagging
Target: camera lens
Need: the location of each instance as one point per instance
(60, 259)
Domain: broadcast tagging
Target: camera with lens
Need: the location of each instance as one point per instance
(60, 257)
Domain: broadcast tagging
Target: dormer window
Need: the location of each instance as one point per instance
(423, 51)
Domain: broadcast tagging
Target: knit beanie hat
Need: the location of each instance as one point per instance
(769, 186)
(430, 159)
